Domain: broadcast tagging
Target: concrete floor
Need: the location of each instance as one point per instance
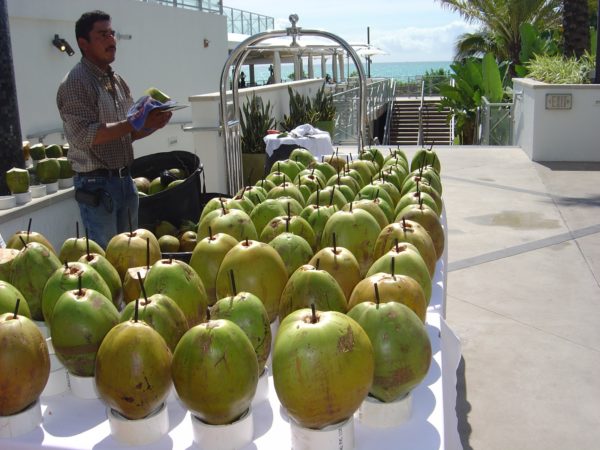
(524, 298)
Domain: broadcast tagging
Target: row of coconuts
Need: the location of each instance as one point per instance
(50, 164)
(346, 267)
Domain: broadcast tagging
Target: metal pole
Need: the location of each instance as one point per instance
(597, 78)
(368, 57)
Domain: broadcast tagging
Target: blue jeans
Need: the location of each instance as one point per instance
(118, 201)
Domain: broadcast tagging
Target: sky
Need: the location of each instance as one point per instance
(407, 30)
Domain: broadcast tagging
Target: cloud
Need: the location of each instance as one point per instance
(422, 43)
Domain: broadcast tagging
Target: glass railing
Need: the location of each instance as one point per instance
(380, 93)
(238, 21)
(495, 125)
(245, 22)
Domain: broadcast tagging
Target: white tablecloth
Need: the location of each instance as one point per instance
(317, 144)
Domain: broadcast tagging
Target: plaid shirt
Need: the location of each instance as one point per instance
(88, 98)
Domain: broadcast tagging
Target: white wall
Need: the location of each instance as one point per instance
(166, 51)
(557, 134)
(53, 215)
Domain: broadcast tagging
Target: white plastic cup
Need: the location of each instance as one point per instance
(21, 423)
(141, 431)
(224, 437)
(7, 201)
(334, 437)
(57, 381)
(262, 388)
(377, 414)
(38, 190)
(24, 197)
(83, 387)
(51, 188)
(44, 330)
(64, 183)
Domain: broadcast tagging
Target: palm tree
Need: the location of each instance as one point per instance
(576, 31)
(500, 21)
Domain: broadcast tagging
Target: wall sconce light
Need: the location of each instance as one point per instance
(206, 42)
(62, 45)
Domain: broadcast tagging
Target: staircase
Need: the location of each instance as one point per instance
(404, 124)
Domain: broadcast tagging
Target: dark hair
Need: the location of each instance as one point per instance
(86, 22)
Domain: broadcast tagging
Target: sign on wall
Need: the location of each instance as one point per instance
(559, 101)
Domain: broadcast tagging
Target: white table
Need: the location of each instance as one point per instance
(318, 144)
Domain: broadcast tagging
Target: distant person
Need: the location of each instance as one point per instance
(93, 102)
(271, 79)
(242, 80)
(327, 79)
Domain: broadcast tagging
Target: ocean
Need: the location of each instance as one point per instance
(397, 70)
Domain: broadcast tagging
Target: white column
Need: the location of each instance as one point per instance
(311, 68)
(277, 67)
(342, 71)
(252, 79)
(323, 66)
(334, 68)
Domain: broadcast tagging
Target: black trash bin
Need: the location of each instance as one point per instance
(181, 202)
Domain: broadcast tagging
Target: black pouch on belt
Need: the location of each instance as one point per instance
(90, 198)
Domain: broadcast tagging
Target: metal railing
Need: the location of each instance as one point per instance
(388, 118)
(414, 86)
(495, 123)
(238, 20)
(420, 132)
(380, 93)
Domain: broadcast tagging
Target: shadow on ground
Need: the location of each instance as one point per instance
(571, 165)
(463, 407)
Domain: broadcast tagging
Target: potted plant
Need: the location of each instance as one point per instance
(255, 121)
(301, 111)
(324, 110)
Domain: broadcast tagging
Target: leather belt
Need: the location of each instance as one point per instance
(120, 172)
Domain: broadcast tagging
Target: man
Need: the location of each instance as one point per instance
(93, 102)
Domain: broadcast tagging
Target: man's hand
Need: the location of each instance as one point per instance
(157, 119)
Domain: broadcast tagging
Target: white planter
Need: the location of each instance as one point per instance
(556, 122)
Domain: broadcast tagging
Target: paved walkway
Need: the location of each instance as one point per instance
(524, 298)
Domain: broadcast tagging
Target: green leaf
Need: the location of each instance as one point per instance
(492, 83)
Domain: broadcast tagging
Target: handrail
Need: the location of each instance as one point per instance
(420, 133)
(41, 135)
(388, 120)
